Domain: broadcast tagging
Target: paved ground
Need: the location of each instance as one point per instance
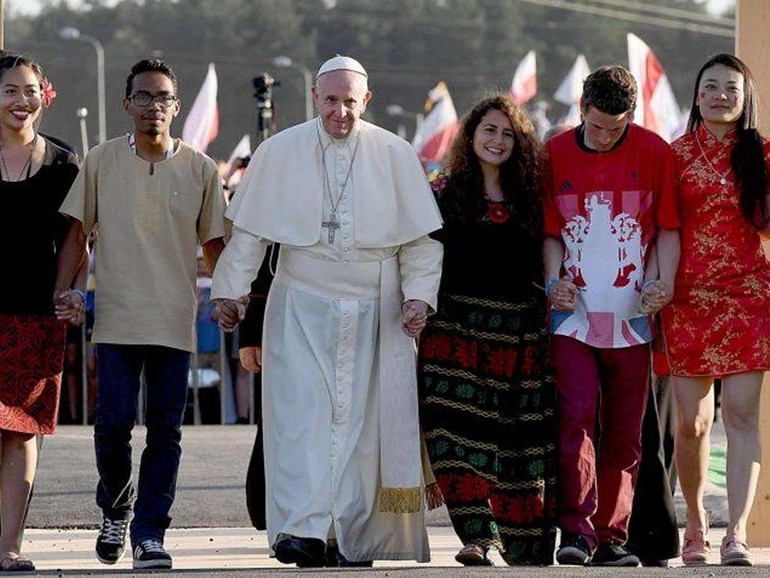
(243, 551)
(211, 479)
(210, 531)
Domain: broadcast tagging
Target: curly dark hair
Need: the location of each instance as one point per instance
(747, 159)
(610, 89)
(462, 199)
(149, 65)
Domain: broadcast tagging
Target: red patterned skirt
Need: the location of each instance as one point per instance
(31, 362)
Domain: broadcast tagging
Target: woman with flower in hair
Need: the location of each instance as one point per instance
(36, 175)
(487, 392)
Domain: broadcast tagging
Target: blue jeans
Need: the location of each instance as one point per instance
(166, 372)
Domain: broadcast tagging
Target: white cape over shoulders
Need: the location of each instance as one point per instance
(280, 198)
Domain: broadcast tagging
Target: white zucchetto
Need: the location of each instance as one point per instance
(341, 63)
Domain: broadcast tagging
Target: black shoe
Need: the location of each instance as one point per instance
(111, 541)
(304, 552)
(573, 550)
(612, 553)
(330, 557)
(653, 563)
(150, 554)
(473, 555)
(333, 559)
(345, 563)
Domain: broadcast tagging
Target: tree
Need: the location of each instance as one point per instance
(406, 45)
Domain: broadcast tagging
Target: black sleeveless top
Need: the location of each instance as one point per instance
(31, 233)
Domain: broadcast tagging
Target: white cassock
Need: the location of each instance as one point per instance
(342, 449)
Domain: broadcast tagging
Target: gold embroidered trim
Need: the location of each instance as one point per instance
(400, 500)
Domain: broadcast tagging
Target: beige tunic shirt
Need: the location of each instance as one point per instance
(150, 219)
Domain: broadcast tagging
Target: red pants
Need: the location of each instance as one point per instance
(598, 475)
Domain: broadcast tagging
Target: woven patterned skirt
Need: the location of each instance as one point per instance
(31, 361)
(487, 408)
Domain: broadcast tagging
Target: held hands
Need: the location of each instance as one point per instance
(655, 295)
(562, 294)
(230, 312)
(251, 358)
(70, 306)
(414, 316)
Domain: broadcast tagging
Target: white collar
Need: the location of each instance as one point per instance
(170, 152)
(327, 139)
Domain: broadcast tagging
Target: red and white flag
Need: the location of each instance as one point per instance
(524, 83)
(436, 132)
(656, 108)
(202, 123)
(571, 89)
(241, 151)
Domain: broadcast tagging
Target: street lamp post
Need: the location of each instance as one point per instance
(286, 62)
(70, 33)
(82, 114)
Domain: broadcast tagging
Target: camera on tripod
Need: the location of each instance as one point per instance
(263, 92)
(263, 89)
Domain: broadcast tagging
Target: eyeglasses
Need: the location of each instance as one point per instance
(145, 99)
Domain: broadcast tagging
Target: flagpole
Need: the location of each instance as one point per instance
(2, 26)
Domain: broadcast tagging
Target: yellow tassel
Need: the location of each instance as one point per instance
(433, 496)
(400, 500)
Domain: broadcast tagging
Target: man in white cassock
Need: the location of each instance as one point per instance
(351, 208)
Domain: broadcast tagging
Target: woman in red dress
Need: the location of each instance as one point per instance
(35, 175)
(718, 324)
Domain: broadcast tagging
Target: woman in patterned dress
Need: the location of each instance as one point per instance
(487, 392)
(36, 175)
(718, 324)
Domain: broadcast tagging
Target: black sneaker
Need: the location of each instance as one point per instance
(111, 541)
(573, 550)
(612, 553)
(151, 554)
(654, 563)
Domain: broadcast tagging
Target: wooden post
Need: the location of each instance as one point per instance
(752, 45)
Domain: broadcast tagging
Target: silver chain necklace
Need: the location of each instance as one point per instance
(722, 176)
(27, 168)
(333, 223)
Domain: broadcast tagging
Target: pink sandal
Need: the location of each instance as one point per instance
(696, 548)
(734, 552)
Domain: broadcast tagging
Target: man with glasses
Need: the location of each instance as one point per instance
(153, 199)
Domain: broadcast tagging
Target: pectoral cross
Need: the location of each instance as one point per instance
(332, 224)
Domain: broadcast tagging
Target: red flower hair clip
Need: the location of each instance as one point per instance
(47, 92)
